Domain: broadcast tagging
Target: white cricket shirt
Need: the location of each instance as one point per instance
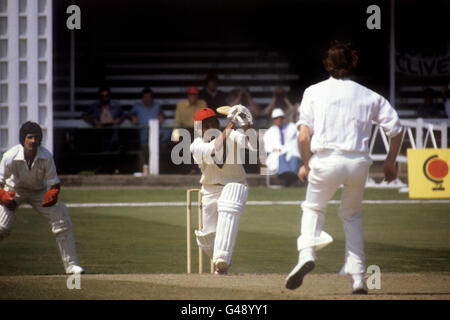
(218, 174)
(339, 115)
(14, 171)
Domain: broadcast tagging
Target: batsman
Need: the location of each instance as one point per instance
(224, 187)
(28, 174)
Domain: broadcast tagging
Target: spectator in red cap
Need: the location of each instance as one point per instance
(185, 111)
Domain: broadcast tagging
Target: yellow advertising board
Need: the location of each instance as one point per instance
(428, 173)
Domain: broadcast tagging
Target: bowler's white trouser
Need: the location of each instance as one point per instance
(329, 170)
(56, 215)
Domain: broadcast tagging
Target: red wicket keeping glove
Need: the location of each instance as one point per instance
(7, 198)
(50, 198)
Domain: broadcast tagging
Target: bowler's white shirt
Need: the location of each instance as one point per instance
(339, 115)
(14, 171)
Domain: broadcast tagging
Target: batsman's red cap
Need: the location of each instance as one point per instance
(192, 90)
(203, 114)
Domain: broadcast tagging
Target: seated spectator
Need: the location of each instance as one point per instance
(446, 98)
(140, 114)
(428, 109)
(106, 113)
(243, 96)
(214, 98)
(281, 101)
(280, 142)
(185, 111)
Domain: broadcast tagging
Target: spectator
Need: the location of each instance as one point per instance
(214, 98)
(140, 114)
(446, 98)
(429, 109)
(280, 100)
(280, 142)
(243, 96)
(106, 113)
(185, 111)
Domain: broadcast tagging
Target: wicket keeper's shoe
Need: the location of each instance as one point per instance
(221, 267)
(359, 287)
(74, 269)
(295, 278)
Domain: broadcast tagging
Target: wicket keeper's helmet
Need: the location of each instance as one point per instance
(30, 128)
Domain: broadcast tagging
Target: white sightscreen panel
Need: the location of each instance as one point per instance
(23, 5)
(42, 93)
(3, 6)
(23, 114)
(22, 48)
(3, 25)
(3, 116)
(3, 71)
(3, 48)
(42, 48)
(3, 93)
(4, 138)
(23, 70)
(22, 26)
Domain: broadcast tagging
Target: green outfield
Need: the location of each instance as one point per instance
(399, 238)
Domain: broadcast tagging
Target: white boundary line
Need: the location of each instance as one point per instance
(251, 203)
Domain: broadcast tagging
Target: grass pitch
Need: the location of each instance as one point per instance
(151, 242)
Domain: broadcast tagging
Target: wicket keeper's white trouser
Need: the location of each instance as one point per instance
(329, 170)
(57, 216)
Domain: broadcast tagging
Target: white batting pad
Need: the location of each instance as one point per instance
(226, 232)
(232, 198)
(206, 242)
(66, 247)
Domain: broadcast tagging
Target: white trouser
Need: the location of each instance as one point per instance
(329, 170)
(56, 215)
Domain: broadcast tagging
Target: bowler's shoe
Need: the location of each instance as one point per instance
(295, 278)
(359, 287)
(74, 269)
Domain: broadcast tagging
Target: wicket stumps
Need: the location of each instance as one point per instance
(188, 231)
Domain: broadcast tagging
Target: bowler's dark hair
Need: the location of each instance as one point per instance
(30, 128)
(341, 59)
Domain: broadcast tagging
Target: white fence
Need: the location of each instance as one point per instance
(421, 134)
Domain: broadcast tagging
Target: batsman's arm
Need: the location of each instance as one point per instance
(218, 143)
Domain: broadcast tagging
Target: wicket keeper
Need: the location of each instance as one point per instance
(28, 174)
